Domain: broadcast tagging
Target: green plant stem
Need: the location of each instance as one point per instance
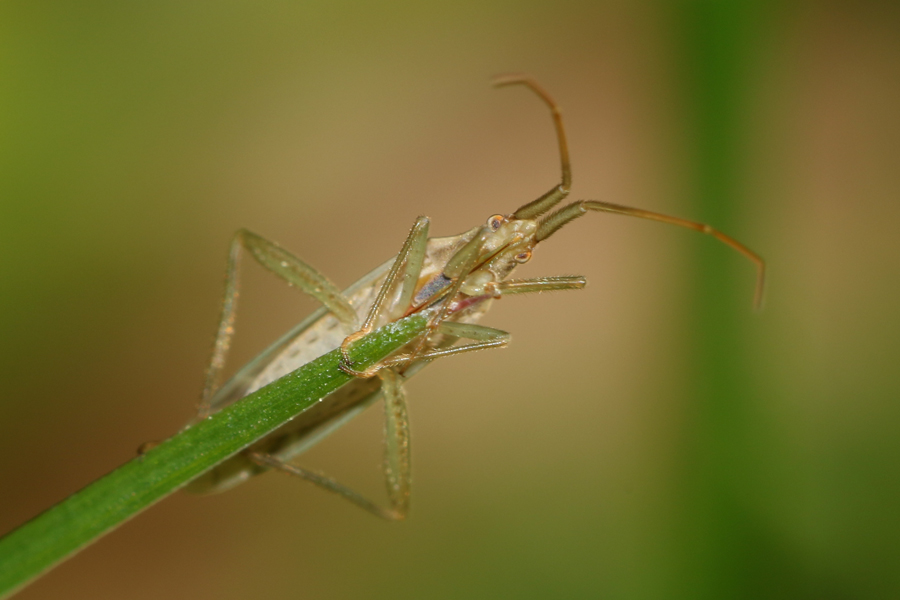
(103, 505)
(723, 543)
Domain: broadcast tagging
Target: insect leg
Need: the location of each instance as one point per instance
(396, 457)
(409, 261)
(559, 192)
(290, 268)
(457, 268)
(539, 284)
(397, 471)
(268, 460)
(484, 337)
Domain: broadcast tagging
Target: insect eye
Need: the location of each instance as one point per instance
(496, 221)
(523, 257)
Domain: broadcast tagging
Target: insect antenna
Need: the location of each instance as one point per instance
(555, 220)
(557, 193)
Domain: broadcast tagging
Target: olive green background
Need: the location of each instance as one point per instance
(649, 437)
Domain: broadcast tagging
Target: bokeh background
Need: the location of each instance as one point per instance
(650, 437)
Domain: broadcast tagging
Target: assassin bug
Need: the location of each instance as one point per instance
(451, 280)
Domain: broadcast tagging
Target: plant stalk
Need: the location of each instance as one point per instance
(80, 519)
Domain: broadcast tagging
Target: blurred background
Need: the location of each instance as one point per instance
(649, 437)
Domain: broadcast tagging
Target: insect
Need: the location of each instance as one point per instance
(451, 280)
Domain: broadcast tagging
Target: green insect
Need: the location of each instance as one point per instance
(450, 280)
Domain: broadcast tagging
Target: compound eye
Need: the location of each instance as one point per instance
(523, 257)
(496, 222)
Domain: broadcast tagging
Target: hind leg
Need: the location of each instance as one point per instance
(286, 266)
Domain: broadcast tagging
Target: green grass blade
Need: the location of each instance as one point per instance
(103, 505)
(725, 550)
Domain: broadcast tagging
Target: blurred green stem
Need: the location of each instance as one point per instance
(103, 505)
(726, 551)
